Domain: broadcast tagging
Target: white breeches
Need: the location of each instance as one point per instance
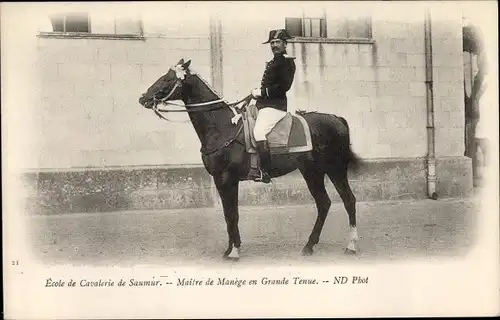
(266, 120)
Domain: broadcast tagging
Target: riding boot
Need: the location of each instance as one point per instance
(265, 161)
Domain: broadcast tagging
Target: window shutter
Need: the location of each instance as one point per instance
(293, 26)
(57, 23)
(323, 27)
(77, 22)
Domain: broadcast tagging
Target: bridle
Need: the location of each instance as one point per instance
(197, 107)
(202, 107)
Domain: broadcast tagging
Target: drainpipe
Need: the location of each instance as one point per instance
(431, 154)
(216, 54)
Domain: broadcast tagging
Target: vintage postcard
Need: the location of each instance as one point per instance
(250, 159)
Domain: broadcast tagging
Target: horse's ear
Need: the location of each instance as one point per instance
(180, 61)
(186, 65)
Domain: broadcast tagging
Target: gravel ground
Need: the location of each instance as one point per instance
(388, 231)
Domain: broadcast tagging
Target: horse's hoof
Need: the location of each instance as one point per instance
(226, 253)
(228, 258)
(350, 251)
(231, 254)
(307, 251)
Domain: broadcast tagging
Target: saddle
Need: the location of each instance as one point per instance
(290, 135)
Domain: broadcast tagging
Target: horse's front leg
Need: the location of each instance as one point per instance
(227, 186)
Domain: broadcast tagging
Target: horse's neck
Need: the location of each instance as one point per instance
(209, 125)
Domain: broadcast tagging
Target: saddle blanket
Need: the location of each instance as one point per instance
(290, 135)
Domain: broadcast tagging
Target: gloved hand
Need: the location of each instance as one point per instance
(256, 93)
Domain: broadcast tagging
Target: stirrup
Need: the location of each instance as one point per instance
(264, 177)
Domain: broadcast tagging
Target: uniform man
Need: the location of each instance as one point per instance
(271, 97)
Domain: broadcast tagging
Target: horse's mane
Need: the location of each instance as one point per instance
(303, 112)
(212, 89)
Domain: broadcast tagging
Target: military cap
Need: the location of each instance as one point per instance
(278, 34)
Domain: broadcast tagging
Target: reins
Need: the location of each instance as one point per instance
(198, 107)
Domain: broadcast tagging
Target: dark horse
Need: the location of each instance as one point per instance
(226, 160)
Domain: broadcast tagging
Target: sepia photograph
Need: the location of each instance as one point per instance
(199, 159)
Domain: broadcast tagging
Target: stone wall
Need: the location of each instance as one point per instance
(89, 115)
(91, 86)
(191, 187)
(378, 86)
(98, 150)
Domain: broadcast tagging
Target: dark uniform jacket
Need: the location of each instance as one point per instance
(276, 81)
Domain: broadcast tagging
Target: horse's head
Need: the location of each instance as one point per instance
(170, 86)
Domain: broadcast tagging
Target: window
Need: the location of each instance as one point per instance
(70, 22)
(332, 27)
(93, 25)
(306, 27)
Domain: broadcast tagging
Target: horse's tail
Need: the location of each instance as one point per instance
(353, 162)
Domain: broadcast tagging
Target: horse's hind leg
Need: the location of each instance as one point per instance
(316, 184)
(339, 178)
